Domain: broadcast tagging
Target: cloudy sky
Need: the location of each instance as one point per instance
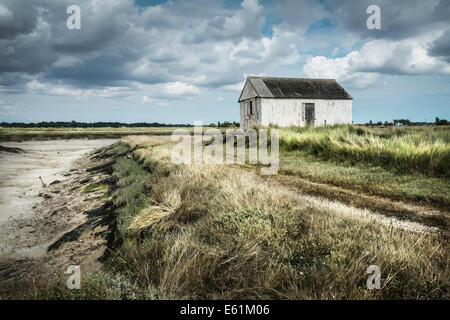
(180, 61)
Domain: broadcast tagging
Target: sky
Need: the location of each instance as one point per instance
(182, 61)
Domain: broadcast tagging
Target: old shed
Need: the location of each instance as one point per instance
(294, 102)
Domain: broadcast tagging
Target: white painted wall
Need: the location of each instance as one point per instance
(283, 112)
(290, 112)
(333, 111)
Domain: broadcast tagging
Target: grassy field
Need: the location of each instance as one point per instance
(22, 134)
(225, 232)
(369, 179)
(404, 149)
(410, 164)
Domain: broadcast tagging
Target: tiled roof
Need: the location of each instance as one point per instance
(300, 88)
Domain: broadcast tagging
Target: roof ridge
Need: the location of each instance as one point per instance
(289, 78)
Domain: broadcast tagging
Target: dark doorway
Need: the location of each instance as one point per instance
(309, 114)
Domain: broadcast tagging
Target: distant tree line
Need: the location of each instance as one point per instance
(441, 122)
(407, 122)
(225, 124)
(76, 124)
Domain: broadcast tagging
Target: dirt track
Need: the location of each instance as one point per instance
(404, 215)
(37, 217)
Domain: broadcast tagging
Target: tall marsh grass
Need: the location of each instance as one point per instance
(223, 232)
(424, 150)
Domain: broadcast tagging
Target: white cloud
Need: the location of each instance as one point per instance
(67, 62)
(8, 108)
(159, 102)
(38, 87)
(281, 48)
(408, 56)
(362, 68)
(233, 87)
(339, 69)
(178, 88)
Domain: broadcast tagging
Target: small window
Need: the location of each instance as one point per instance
(251, 108)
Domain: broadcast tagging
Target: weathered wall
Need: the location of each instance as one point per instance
(283, 112)
(333, 111)
(290, 112)
(248, 120)
(248, 92)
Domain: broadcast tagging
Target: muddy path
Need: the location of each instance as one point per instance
(411, 216)
(54, 209)
(404, 215)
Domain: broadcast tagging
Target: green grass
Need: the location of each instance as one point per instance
(424, 150)
(129, 196)
(94, 286)
(95, 187)
(117, 149)
(370, 179)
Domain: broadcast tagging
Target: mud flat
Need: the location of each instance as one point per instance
(43, 203)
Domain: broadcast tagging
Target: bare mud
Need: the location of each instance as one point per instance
(48, 218)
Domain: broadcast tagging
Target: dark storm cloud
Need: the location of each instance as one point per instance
(16, 17)
(103, 26)
(400, 19)
(441, 46)
(120, 42)
(13, 82)
(96, 54)
(244, 22)
(24, 34)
